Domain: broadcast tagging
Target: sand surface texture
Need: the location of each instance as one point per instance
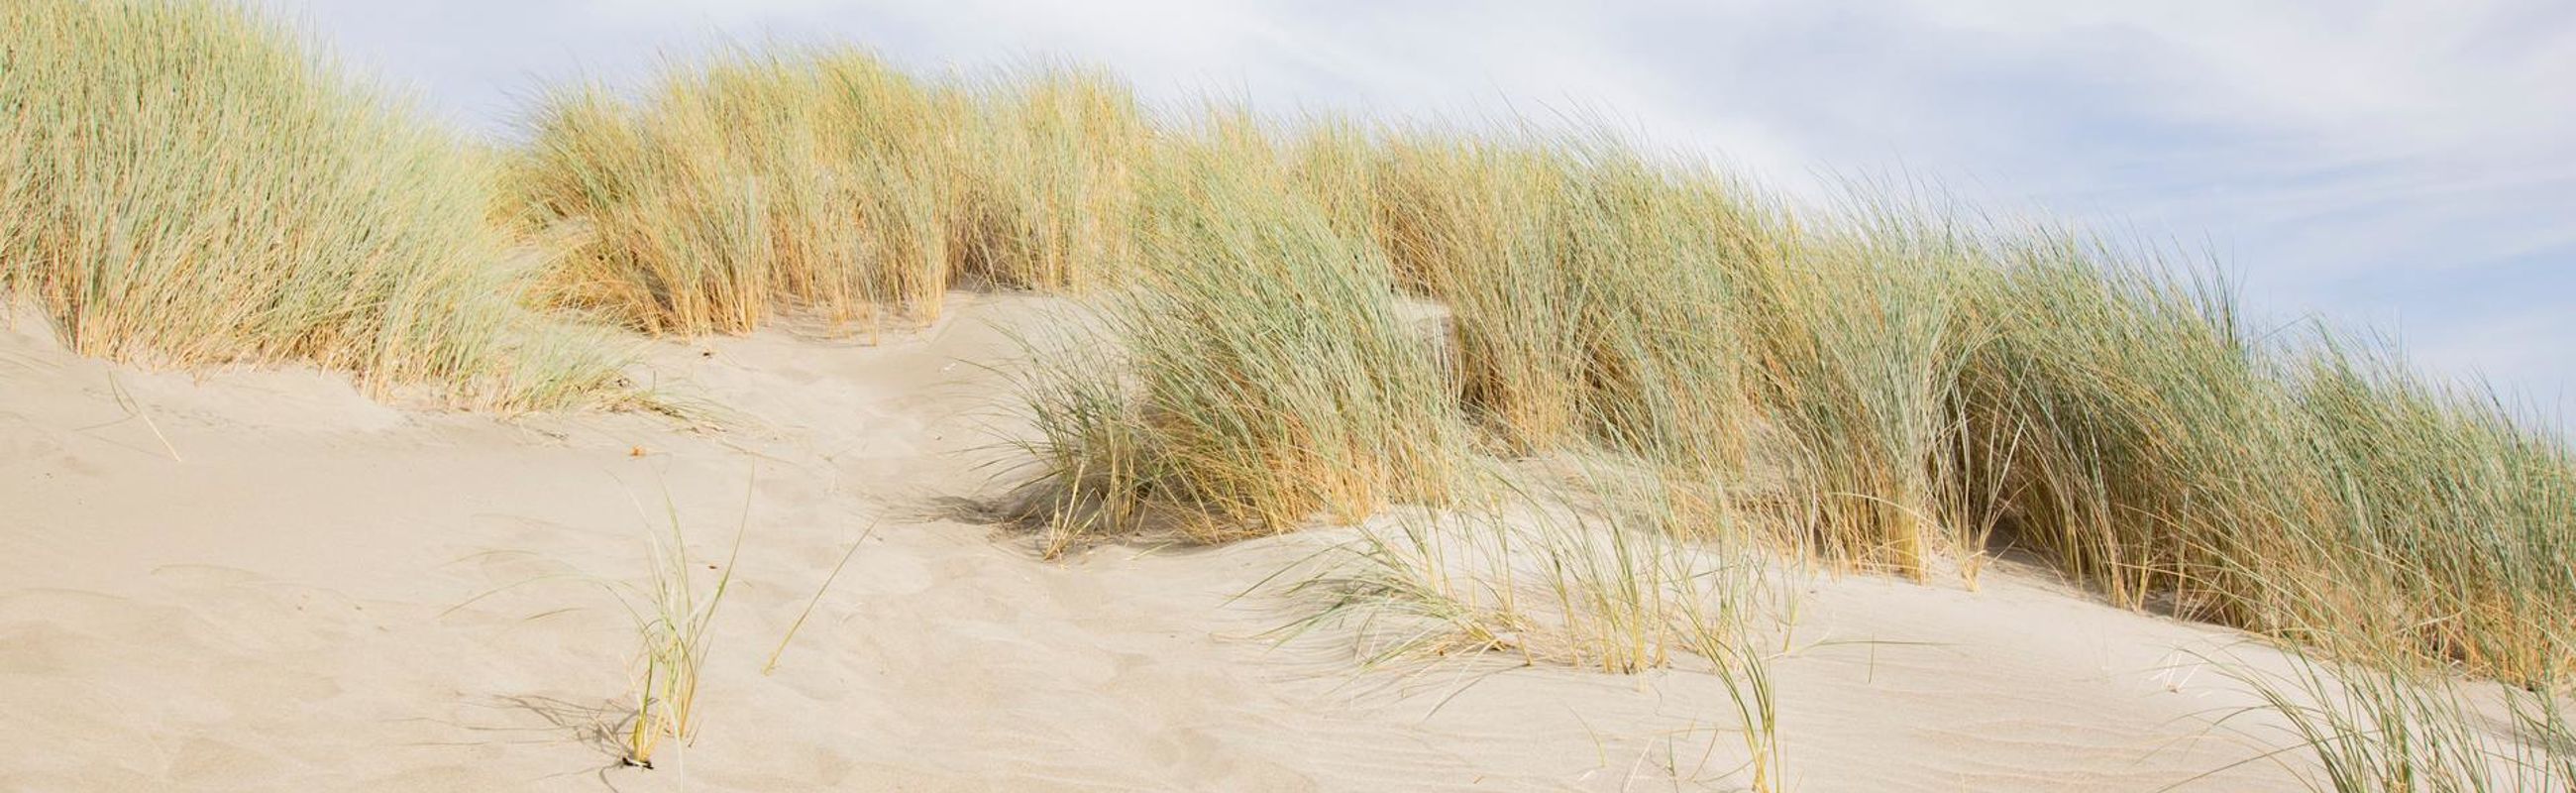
(262, 580)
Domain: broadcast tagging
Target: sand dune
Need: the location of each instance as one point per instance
(261, 580)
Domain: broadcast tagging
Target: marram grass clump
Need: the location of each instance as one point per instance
(1261, 372)
(185, 183)
(753, 184)
(821, 181)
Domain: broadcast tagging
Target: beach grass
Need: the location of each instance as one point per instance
(820, 181)
(1584, 566)
(1883, 384)
(2374, 727)
(1258, 372)
(190, 184)
(674, 616)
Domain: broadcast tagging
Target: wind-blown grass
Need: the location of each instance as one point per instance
(822, 181)
(1330, 318)
(2455, 516)
(1049, 181)
(1306, 321)
(1875, 386)
(674, 623)
(1571, 270)
(1261, 373)
(2306, 486)
(2380, 728)
(1590, 573)
(184, 183)
(754, 183)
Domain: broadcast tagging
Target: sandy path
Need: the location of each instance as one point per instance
(273, 612)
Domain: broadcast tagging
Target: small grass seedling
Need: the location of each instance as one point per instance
(673, 622)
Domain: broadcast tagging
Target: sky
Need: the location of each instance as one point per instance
(2406, 167)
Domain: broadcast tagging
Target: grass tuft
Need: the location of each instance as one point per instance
(822, 181)
(674, 621)
(185, 183)
(2380, 728)
(1587, 573)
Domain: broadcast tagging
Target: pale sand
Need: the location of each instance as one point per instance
(267, 615)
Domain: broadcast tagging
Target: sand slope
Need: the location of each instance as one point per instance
(278, 607)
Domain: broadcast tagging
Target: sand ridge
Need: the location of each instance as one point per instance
(261, 580)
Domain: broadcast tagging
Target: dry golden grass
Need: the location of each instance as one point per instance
(751, 184)
(821, 181)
